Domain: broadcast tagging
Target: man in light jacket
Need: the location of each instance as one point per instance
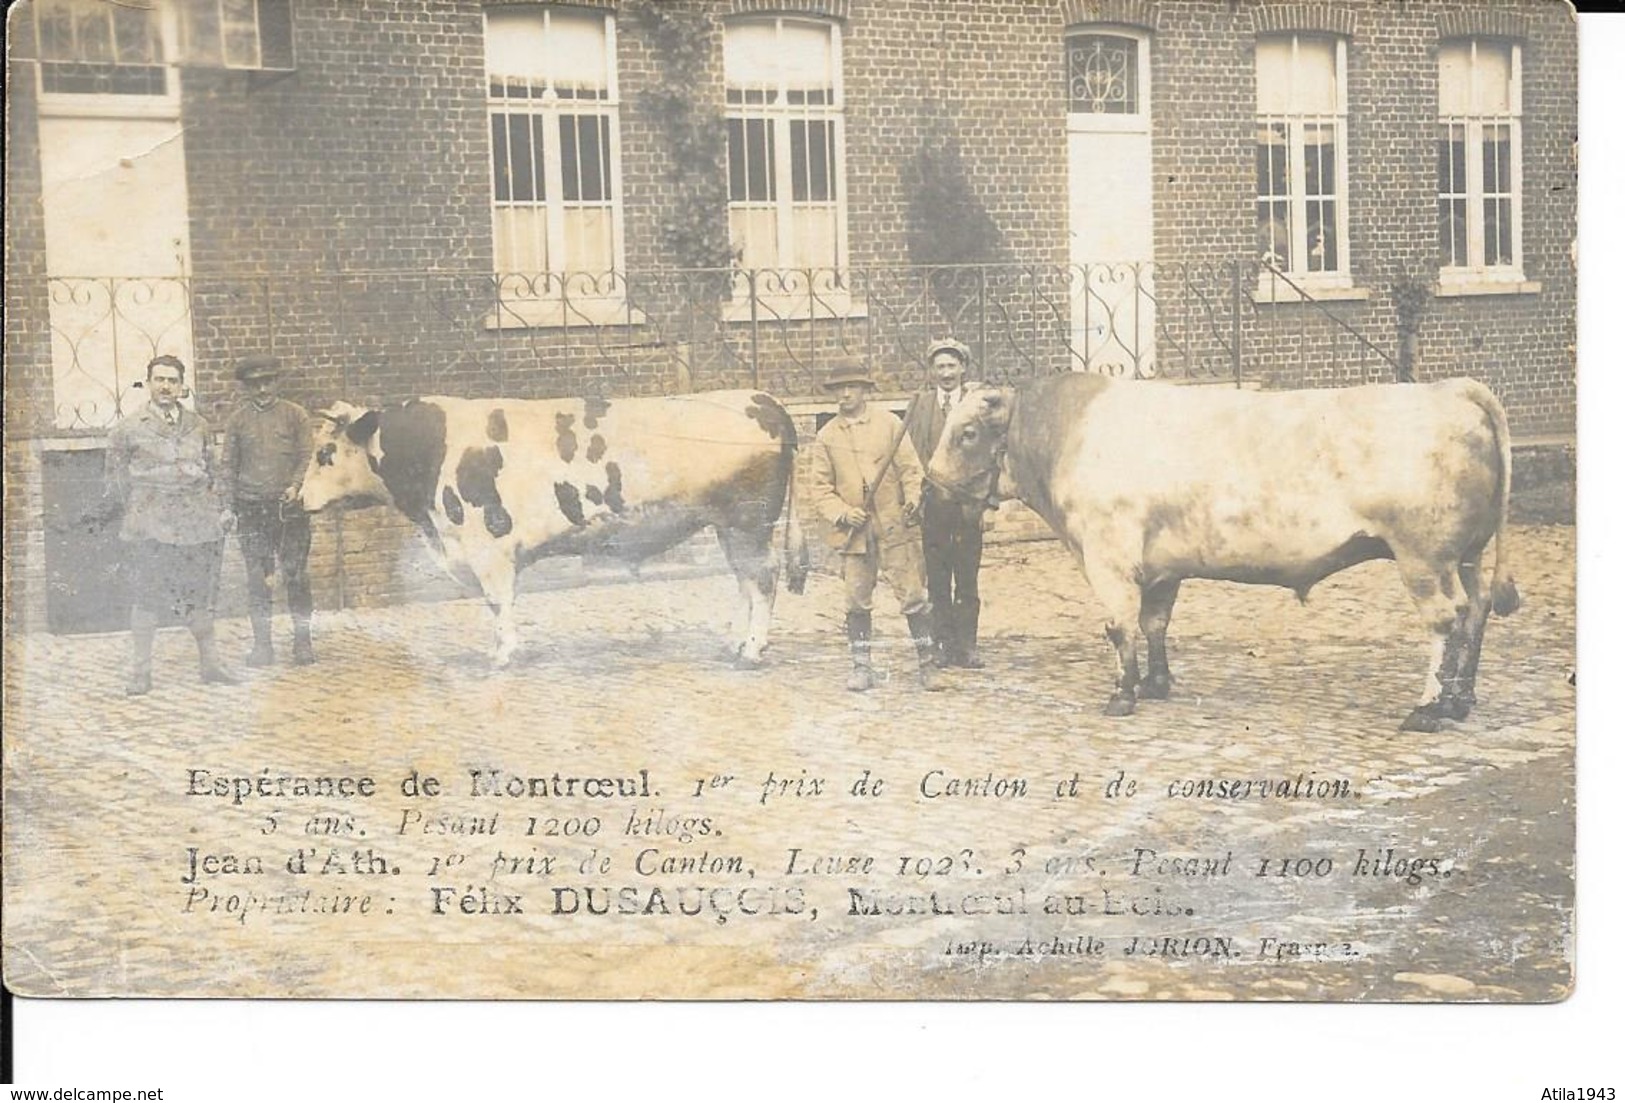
(866, 482)
(161, 473)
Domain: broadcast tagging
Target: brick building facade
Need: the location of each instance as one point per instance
(1085, 184)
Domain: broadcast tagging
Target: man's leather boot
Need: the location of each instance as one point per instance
(262, 654)
(862, 678)
(143, 627)
(967, 616)
(919, 626)
(303, 653)
(208, 657)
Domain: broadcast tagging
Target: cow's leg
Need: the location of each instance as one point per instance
(497, 576)
(750, 554)
(1462, 696)
(1444, 607)
(1156, 607)
(1117, 591)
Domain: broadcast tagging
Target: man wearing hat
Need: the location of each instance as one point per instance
(866, 481)
(950, 526)
(268, 443)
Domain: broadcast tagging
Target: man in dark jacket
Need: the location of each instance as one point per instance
(950, 527)
(268, 443)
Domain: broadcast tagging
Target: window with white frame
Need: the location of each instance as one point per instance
(100, 48)
(1480, 160)
(555, 131)
(1303, 157)
(114, 55)
(785, 143)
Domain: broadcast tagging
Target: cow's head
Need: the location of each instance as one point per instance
(343, 465)
(969, 455)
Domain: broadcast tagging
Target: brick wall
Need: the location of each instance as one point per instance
(341, 218)
(27, 347)
(1204, 97)
(372, 157)
(28, 342)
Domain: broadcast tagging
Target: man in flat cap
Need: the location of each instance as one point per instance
(866, 481)
(950, 526)
(268, 443)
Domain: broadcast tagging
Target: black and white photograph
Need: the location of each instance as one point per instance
(792, 500)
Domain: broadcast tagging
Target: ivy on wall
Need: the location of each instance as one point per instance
(1411, 293)
(694, 226)
(947, 222)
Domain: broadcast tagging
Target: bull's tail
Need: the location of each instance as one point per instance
(1504, 597)
(797, 561)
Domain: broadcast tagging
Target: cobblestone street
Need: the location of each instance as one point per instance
(614, 679)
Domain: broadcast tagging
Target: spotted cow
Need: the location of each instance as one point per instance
(496, 484)
(1150, 484)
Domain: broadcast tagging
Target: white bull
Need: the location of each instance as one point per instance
(1150, 484)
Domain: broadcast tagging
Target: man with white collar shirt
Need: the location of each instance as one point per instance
(951, 527)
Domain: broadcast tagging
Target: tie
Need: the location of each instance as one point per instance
(947, 403)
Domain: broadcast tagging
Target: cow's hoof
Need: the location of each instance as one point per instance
(1121, 704)
(1156, 687)
(742, 661)
(1423, 718)
(1456, 708)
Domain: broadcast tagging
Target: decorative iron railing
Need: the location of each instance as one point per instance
(1348, 342)
(377, 335)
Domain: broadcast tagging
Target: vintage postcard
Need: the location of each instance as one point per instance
(821, 500)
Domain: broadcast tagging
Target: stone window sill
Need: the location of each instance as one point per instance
(99, 106)
(1276, 291)
(1462, 288)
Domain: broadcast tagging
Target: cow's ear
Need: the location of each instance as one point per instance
(340, 414)
(362, 428)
